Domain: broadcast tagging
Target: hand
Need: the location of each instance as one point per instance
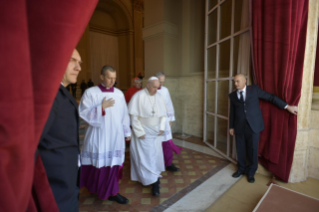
(127, 138)
(142, 137)
(231, 132)
(292, 109)
(107, 103)
(161, 132)
(170, 124)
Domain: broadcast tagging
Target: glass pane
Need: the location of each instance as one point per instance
(241, 61)
(211, 96)
(222, 101)
(212, 27)
(222, 132)
(224, 59)
(210, 123)
(225, 21)
(241, 20)
(211, 62)
(211, 4)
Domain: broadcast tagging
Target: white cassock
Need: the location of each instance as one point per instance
(148, 117)
(170, 112)
(104, 142)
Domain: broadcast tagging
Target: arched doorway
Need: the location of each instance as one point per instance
(108, 40)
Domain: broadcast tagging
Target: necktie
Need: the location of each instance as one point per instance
(241, 96)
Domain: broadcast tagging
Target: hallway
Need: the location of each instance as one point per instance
(196, 168)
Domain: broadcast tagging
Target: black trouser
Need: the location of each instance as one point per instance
(247, 145)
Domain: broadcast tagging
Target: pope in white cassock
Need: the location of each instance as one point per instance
(148, 119)
(168, 144)
(104, 108)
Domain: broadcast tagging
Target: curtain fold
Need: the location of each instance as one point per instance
(278, 37)
(36, 41)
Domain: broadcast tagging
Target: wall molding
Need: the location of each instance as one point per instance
(101, 29)
(160, 29)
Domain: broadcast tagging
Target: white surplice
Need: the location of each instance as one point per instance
(148, 117)
(170, 112)
(104, 142)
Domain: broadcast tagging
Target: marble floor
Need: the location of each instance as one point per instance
(244, 196)
(199, 172)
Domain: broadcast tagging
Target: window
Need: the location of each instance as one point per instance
(227, 53)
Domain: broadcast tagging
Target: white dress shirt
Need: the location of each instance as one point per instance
(244, 93)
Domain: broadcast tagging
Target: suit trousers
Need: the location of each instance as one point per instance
(247, 146)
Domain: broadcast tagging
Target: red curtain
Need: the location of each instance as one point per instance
(36, 42)
(278, 33)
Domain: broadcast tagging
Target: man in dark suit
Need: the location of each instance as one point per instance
(59, 144)
(83, 87)
(74, 87)
(246, 122)
(90, 83)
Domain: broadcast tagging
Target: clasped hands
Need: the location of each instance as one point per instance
(160, 133)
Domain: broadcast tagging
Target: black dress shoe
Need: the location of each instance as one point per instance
(237, 174)
(156, 188)
(119, 199)
(172, 168)
(251, 179)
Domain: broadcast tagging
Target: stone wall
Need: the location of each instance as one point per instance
(305, 151)
(313, 161)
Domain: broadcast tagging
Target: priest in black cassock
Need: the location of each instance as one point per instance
(59, 144)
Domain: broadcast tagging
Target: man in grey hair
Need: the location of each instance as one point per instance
(168, 145)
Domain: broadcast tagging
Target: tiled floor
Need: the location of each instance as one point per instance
(191, 138)
(195, 167)
(222, 145)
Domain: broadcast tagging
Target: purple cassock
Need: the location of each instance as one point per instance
(103, 181)
(168, 148)
(168, 145)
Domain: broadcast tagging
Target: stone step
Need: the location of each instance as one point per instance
(315, 101)
(315, 106)
(315, 96)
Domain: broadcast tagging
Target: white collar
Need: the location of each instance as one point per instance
(244, 90)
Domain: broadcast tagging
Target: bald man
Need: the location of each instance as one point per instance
(148, 118)
(246, 122)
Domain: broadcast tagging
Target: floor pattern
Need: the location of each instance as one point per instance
(195, 168)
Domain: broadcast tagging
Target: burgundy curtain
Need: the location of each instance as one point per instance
(278, 33)
(36, 42)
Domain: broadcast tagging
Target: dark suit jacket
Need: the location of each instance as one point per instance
(59, 148)
(250, 110)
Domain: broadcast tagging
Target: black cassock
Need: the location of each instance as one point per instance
(59, 149)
